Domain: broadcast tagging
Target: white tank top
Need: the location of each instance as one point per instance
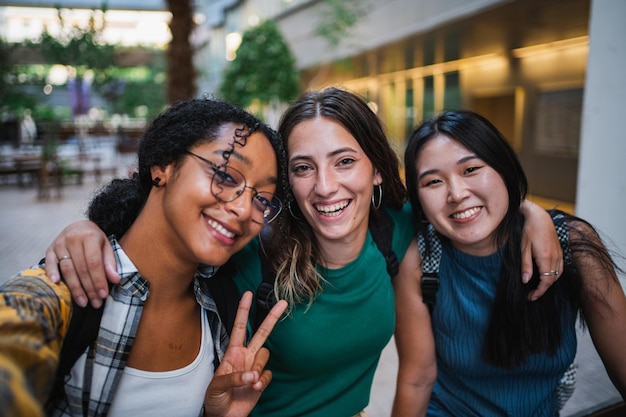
(171, 393)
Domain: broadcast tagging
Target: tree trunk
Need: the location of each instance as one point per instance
(181, 72)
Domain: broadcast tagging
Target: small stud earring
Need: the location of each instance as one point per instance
(156, 181)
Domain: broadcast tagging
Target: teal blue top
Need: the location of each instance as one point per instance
(323, 359)
(466, 384)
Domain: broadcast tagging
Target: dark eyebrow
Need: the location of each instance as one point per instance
(467, 158)
(342, 150)
(333, 153)
(227, 153)
(242, 158)
(459, 162)
(423, 174)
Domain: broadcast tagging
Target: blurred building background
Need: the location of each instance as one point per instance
(548, 73)
(528, 65)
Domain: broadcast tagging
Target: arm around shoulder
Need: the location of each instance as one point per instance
(417, 370)
(541, 243)
(88, 261)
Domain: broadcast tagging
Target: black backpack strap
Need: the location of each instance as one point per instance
(265, 297)
(224, 293)
(82, 333)
(430, 251)
(381, 227)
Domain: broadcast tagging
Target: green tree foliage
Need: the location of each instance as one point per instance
(264, 69)
(11, 98)
(82, 48)
(338, 19)
(138, 90)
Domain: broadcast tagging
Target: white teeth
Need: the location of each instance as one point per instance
(220, 229)
(465, 214)
(332, 209)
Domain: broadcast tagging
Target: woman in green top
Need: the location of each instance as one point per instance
(342, 172)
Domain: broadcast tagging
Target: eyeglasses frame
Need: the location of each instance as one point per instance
(238, 194)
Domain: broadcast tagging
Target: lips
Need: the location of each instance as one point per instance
(221, 229)
(332, 209)
(466, 213)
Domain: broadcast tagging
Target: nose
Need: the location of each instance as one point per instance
(326, 182)
(242, 205)
(457, 190)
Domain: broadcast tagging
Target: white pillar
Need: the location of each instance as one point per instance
(601, 192)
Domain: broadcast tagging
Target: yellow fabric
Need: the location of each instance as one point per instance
(34, 318)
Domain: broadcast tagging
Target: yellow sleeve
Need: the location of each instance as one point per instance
(34, 318)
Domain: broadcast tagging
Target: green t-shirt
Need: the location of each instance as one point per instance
(323, 359)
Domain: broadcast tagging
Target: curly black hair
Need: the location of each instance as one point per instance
(167, 140)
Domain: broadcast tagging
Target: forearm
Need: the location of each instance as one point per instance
(541, 244)
(412, 399)
(414, 340)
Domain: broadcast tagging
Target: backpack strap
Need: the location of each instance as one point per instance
(82, 333)
(430, 251)
(265, 297)
(224, 293)
(381, 228)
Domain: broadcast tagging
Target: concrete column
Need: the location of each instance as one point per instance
(601, 192)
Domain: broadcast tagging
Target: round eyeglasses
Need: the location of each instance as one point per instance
(228, 184)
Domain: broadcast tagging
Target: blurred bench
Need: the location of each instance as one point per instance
(24, 167)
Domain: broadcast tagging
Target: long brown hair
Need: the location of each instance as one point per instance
(295, 253)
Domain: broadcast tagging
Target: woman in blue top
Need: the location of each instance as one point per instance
(343, 173)
(497, 354)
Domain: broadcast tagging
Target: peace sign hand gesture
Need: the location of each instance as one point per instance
(240, 379)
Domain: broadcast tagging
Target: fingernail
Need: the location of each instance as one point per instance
(102, 294)
(247, 377)
(81, 301)
(54, 278)
(96, 303)
(525, 277)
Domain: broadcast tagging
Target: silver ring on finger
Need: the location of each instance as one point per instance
(64, 257)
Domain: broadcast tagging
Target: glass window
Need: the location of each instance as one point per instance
(452, 91)
(428, 102)
(557, 130)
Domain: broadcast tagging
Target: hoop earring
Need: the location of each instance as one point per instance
(291, 211)
(380, 197)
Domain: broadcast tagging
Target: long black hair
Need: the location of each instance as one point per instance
(518, 327)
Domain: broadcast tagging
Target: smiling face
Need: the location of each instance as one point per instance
(209, 230)
(461, 196)
(332, 179)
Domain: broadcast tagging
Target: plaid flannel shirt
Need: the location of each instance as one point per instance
(34, 318)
